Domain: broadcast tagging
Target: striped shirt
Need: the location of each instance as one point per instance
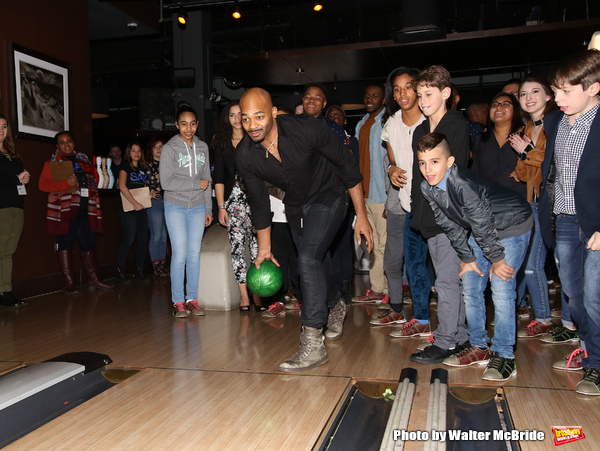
(570, 142)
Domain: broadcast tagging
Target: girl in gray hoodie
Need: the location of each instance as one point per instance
(185, 179)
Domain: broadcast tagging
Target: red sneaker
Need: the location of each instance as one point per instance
(534, 329)
(389, 319)
(370, 297)
(572, 362)
(412, 329)
(274, 310)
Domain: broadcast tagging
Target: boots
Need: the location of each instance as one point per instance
(335, 322)
(312, 352)
(91, 267)
(65, 260)
(164, 269)
(157, 268)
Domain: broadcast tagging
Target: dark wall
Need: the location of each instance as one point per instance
(58, 29)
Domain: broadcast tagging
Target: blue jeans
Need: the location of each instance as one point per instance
(503, 296)
(415, 259)
(535, 275)
(158, 230)
(579, 272)
(319, 292)
(186, 228)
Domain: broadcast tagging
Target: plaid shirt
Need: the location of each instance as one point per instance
(570, 142)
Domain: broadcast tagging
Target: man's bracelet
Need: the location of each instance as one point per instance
(222, 207)
(264, 249)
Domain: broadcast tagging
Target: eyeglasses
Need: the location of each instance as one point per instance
(504, 104)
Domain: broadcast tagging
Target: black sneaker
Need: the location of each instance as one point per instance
(122, 276)
(8, 299)
(590, 384)
(499, 368)
(432, 354)
(139, 274)
(560, 335)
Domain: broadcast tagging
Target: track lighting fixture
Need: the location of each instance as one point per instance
(318, 6)
(182, 17)
(236, 12)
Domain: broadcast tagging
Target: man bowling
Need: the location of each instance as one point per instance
(304, 158)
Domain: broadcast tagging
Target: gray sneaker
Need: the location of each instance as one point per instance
(311, 353)
(335, 322)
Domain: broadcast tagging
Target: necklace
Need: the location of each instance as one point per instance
(538, 122)
(267, 152)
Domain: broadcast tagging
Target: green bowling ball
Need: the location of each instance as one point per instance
(265, 281)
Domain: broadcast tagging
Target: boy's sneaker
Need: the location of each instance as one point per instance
(194, 308)
(274, 310)
(523, 312)
(406, 294)
(499, 368)
(292, 304)
(430, 340)
(534, 329)
(179, 310)
(472, 355)
(590, 384)
(370, 297)
(385, 303)
(388, 319)
(432, 354)
(572, 362)
(560, 335)
(412, 329)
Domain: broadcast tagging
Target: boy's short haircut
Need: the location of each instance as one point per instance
(434, 76)
(433, 140)
(580, 68)
(321, 86)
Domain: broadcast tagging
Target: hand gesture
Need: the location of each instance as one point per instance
(518, 143)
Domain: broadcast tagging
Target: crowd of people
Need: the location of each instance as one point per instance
(443, 202)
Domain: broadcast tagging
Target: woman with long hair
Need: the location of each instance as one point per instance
(185, 179)
(13, 178)
(156, 214)
(135, 222)
(234, 211)
(493, 156)
(537, 99)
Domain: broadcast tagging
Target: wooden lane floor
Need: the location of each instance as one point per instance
(224, 366)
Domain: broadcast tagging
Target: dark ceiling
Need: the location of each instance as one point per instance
(281, 44)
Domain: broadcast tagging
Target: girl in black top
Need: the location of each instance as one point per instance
(13, 179)
(135, 223)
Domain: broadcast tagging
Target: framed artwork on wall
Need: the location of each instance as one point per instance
(41, 93)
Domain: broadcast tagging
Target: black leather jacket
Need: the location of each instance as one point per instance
(473, 203)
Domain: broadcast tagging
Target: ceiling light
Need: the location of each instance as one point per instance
(236, 12)
(182, 17)
(318, 6)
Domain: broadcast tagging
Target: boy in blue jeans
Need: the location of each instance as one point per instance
(499, 221)
(570, 202)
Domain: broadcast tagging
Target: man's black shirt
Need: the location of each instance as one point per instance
(315, 167)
